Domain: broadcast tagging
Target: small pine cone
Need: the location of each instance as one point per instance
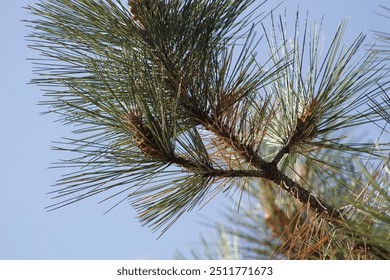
(147, 145)
(304, 129)
(143, 137)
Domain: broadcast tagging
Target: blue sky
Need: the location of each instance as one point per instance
(81, 231)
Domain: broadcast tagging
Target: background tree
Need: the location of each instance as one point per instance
(174, 105)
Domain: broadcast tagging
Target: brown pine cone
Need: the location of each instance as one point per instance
(143, 136)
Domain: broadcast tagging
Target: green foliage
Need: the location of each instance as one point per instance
(172, 104)
(124, 88)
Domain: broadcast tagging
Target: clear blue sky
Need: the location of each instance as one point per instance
(81, 231)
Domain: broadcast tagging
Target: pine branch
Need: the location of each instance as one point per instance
(265, 170)
(144, 83)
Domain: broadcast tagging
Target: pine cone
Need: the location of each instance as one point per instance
(143, 136)
(305, 128)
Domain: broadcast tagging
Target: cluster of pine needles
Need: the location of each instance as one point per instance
(176, 101)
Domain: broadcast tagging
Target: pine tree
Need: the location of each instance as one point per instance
(174, 104)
